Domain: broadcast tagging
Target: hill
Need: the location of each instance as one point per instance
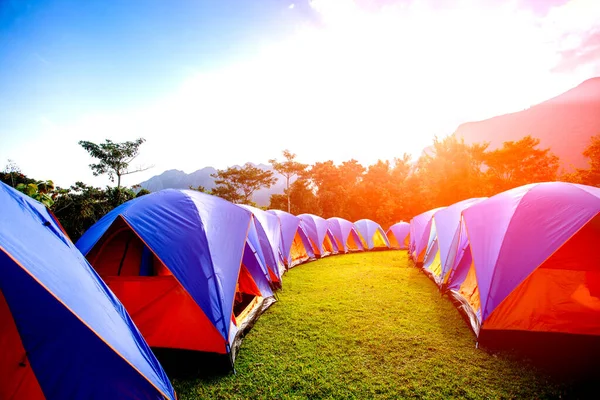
(564, 123)
(176, 179)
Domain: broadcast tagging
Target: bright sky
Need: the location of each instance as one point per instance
(223, 82)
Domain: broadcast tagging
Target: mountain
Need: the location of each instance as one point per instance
(564, 123)
(176, 179)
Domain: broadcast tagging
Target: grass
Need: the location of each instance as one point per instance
(366, 325)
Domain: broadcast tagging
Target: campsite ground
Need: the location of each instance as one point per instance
(368, 325)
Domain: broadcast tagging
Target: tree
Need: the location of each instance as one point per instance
(12, 175)
(139, 190)
(142, 192)
(592, 152)
(200, 188)
(11, 172)
(303, 199)
(237, 184)
(519, 163)
(40, 191)
(451, 171)
(114, 158)
(289, 169)
(80, 206)
(590, 176)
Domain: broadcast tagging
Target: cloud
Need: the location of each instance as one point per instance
(542, 7)
(587, 52)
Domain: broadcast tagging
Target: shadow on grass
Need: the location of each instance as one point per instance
(569, 359)
(187, 364)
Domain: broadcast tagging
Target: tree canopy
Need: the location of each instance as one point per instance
(113, 158)
(591, 175)
(385, 191)
(290, 168)
(238, 184)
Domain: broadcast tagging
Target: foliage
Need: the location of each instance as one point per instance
(40, 191)
(81, 206)
(452, 171)
(387, 192)
(200, 188)
(302, 199)
(591, 175)
(113, 158)
(142, 192)
(289, 168)
(363, 326)
(519, 163)
(12, 175)
(237, 184)
(447, 172)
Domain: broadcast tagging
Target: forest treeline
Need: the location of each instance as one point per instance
(387, 191)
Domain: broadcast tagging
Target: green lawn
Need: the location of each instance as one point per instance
(366, 325)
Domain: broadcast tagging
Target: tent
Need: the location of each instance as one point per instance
(532, 263)
(63, 334)
(420, 228)
(445, 228)
(398, 235)
(345, 234)
(294, 246)
(319, 235)
(373, 234)
(269, 237)
(181, 263)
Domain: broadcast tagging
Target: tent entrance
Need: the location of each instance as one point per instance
(246, 295)
(164, 312)
(328, 245)
(298, 252)
(121, 252)
(562, 294)
(393, 241)
(379, 240)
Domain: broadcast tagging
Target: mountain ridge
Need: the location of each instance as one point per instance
(177, 179)
(575, 113)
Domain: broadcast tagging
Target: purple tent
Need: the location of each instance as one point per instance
(397, 235)
(292, 236)
(531, 260)
(180, 262)
(318, 232)
(269, 235)
(372, 233)
(288, 224)
(420, 227)
(444, 235)
(345, 234)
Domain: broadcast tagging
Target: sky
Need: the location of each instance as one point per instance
(221, 82)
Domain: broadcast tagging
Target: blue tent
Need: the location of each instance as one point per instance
(269, 237)
(63, 334)
(294, 245)
(183, 265)
(321, 239)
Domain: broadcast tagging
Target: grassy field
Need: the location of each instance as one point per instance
(367, 325)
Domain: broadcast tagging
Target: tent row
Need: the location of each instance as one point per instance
(195, 271)
(174, 269)
(524, 260)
